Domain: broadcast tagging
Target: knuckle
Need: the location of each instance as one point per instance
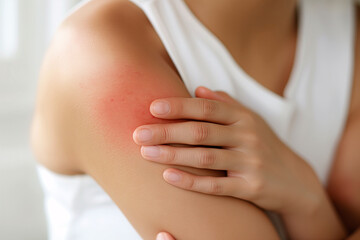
(249, 119)
(165, 134)
(215, 187)
(257, 187)
(208, 108)
(206, 159)
(200, 133)
(257, 164)
(191, 184)
(253, 139)
(239, 134)
(170, 155)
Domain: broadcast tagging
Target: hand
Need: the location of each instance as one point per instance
(260, 167)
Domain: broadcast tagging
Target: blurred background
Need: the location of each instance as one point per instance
(26, 27)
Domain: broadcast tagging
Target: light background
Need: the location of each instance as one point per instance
(26, 27)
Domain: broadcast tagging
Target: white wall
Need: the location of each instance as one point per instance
(25, 29)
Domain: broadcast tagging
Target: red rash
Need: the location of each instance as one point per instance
(121, 102)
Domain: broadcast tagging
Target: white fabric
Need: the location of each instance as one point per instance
(310, 118)
(78, 209)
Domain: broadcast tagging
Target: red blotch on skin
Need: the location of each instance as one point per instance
(121, 102)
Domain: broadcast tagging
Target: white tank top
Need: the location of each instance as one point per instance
(309, 118)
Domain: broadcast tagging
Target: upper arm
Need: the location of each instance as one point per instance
(136, 185)
(94, 96)
(344, 181)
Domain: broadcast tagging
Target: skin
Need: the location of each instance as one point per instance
(86, 114)
(354, 236)
(260, 168)
(108, 105)
(265, 49)
(343, 182)
(347, 197)
(95, 108)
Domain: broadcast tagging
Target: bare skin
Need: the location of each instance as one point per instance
(119, 134)
(343, 183)
(260, 168)
(102, 71)
(265, 49)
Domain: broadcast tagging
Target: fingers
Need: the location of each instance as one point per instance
(203, 92)
(191, 133)
(222, 186)
(208, 158)
(194, 108)
(164, 236)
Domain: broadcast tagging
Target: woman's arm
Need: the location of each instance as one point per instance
(261, 169)
(98, 80)
(344, 180)
(355, 235)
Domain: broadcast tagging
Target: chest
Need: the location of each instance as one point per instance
(308, 107)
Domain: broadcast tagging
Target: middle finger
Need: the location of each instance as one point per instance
(191, 133)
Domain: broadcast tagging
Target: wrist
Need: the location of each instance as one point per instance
(316, 220)
(305, 193)
(305, 207)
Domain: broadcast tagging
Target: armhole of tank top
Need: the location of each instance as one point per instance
(151, 12)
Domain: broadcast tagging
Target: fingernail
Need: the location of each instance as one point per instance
(150, 151)
(144, 135)
(161, 236)
(172, 177)
(160, 107)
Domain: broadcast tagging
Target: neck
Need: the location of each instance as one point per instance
(260, 34)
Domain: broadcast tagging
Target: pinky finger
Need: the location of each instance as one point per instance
(225, 186)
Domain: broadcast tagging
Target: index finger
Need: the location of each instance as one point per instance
(196, 109)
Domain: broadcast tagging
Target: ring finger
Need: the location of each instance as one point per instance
(198, 157)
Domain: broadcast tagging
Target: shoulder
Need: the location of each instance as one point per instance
(111, 35)
(101, 27)
(100, 57)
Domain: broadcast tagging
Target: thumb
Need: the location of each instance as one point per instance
(164, 236)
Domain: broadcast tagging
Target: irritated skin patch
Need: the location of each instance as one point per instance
(120, 102)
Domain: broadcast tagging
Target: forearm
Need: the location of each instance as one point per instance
(355, 235)
(308, 212)
(319, 222)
